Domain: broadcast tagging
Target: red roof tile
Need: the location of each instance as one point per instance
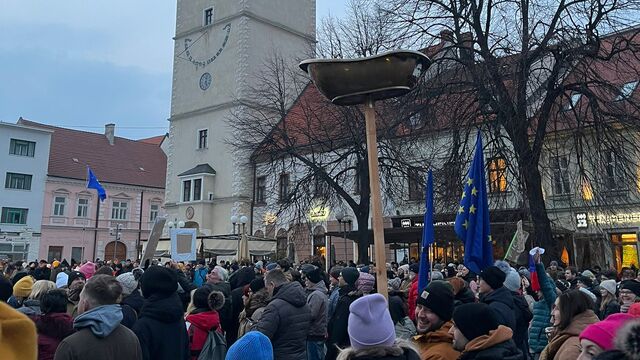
(155, 140)
(126, 162)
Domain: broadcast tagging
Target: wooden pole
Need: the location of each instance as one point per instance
(376, 201)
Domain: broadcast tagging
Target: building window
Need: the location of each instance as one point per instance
(186, 190)
(18, 181)
(192, 190)
(59, 203)
(119, 210)
(497, 168)
(626, 90)
(416, 190)
(77, 253)
(83, 207)
(202, 138)
(560, 175)
(197, 189)
(575, 98)
(208, 16)
(613, 171)
(54, 253)
(153, 212)
(283, 193)
(14, 216)
(22, 147)
(261, 188)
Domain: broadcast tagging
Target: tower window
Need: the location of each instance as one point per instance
(202, 138)
(208, 16)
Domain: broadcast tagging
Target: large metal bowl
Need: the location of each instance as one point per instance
(353, 81)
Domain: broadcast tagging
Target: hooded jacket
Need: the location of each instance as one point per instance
(100, 336)
(501, 301)
(200, 323)
(337, 328)
(437, 345)
(400, 351)
(318, 303)
(496, 345)
(566, 344)
(286, 320)
(253, 311)
(30, 307)
(161, 329)
(541, 311)
(52, 329)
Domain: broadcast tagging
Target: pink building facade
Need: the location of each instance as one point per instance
(69, 228)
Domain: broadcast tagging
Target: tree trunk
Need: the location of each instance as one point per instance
(542, 234)
(363, 237)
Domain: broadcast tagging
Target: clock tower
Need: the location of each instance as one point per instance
(220, 45)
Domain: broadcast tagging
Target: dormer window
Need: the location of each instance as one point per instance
(208, 16)
(626, 90)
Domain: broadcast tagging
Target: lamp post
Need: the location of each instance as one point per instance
(364, 81)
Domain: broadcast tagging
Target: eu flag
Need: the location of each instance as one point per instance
(472, 220)
(427, 235)
(93, 183)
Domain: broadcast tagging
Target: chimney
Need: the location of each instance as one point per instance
(466, 46)
(446, 35)
(109, 132)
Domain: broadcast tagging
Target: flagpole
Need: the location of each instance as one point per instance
(95, 232)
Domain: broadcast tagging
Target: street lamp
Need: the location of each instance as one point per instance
(234, 221)
(363, 82)
(343, 219)
(244, 220)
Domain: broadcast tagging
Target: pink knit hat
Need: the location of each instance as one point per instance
(603, 332)
(88, 270)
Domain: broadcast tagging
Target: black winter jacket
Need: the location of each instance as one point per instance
(503, 351)
(135, 300)
(501, 301)
(285, 321)
(161, 329)
(337, 329)
(523, 318)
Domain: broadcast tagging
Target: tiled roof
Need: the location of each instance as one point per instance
(126, 162)
(156, 140)
(199, 169)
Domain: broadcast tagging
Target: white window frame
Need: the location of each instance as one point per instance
(206, 142)
(59, 209)
(85, 206)
(204, 16)
(120, 211)
(192, 189)
(153, 214)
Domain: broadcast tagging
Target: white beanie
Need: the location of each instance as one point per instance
(610, 286)
(512, 281)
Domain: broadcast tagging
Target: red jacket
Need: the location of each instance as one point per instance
(52, 329)
(413, 298)
(201, 324)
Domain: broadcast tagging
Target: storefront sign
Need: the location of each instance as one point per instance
(405, 223)
(613, 219)
(319, 213)
(581, 221)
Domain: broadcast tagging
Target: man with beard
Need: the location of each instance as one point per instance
(433, 314)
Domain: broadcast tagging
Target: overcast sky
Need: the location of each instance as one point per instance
(82, 64)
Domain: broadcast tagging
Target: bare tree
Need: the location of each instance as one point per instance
(551, 78)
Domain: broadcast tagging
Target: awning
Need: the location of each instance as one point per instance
(223, 246)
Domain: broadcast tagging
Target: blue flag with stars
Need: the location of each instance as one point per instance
(428, 236)
(93, 183)
(472, 220)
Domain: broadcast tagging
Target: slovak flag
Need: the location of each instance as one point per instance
(535, 283)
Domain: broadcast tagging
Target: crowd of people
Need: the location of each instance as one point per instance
(277, 310)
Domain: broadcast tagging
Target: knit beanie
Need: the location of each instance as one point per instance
(631, 285)
(61, 279)
(438, 297)
(610, 286)
(256, 284)
(589, 274)
(23, 287)
(437, 275)
(604, 332)
(512, 281)
(74, 275)
(18, 337)
(88, 270)
(503, 265)
(128, 282)
(475, 319)
(335, 272)
(6, 289)
(414, 268)
(591, 295)
(350, 275)
(365, 282)
(312, 272)
(253, 345)
(271, 266)
(55, 263)
(370, 323)
(585, 280)
(365, 269)
(494, 277)
(159, 280)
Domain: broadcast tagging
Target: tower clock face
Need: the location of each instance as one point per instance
(195, 53)
(205, 81)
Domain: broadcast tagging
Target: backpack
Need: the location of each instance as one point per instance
(214, 348)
